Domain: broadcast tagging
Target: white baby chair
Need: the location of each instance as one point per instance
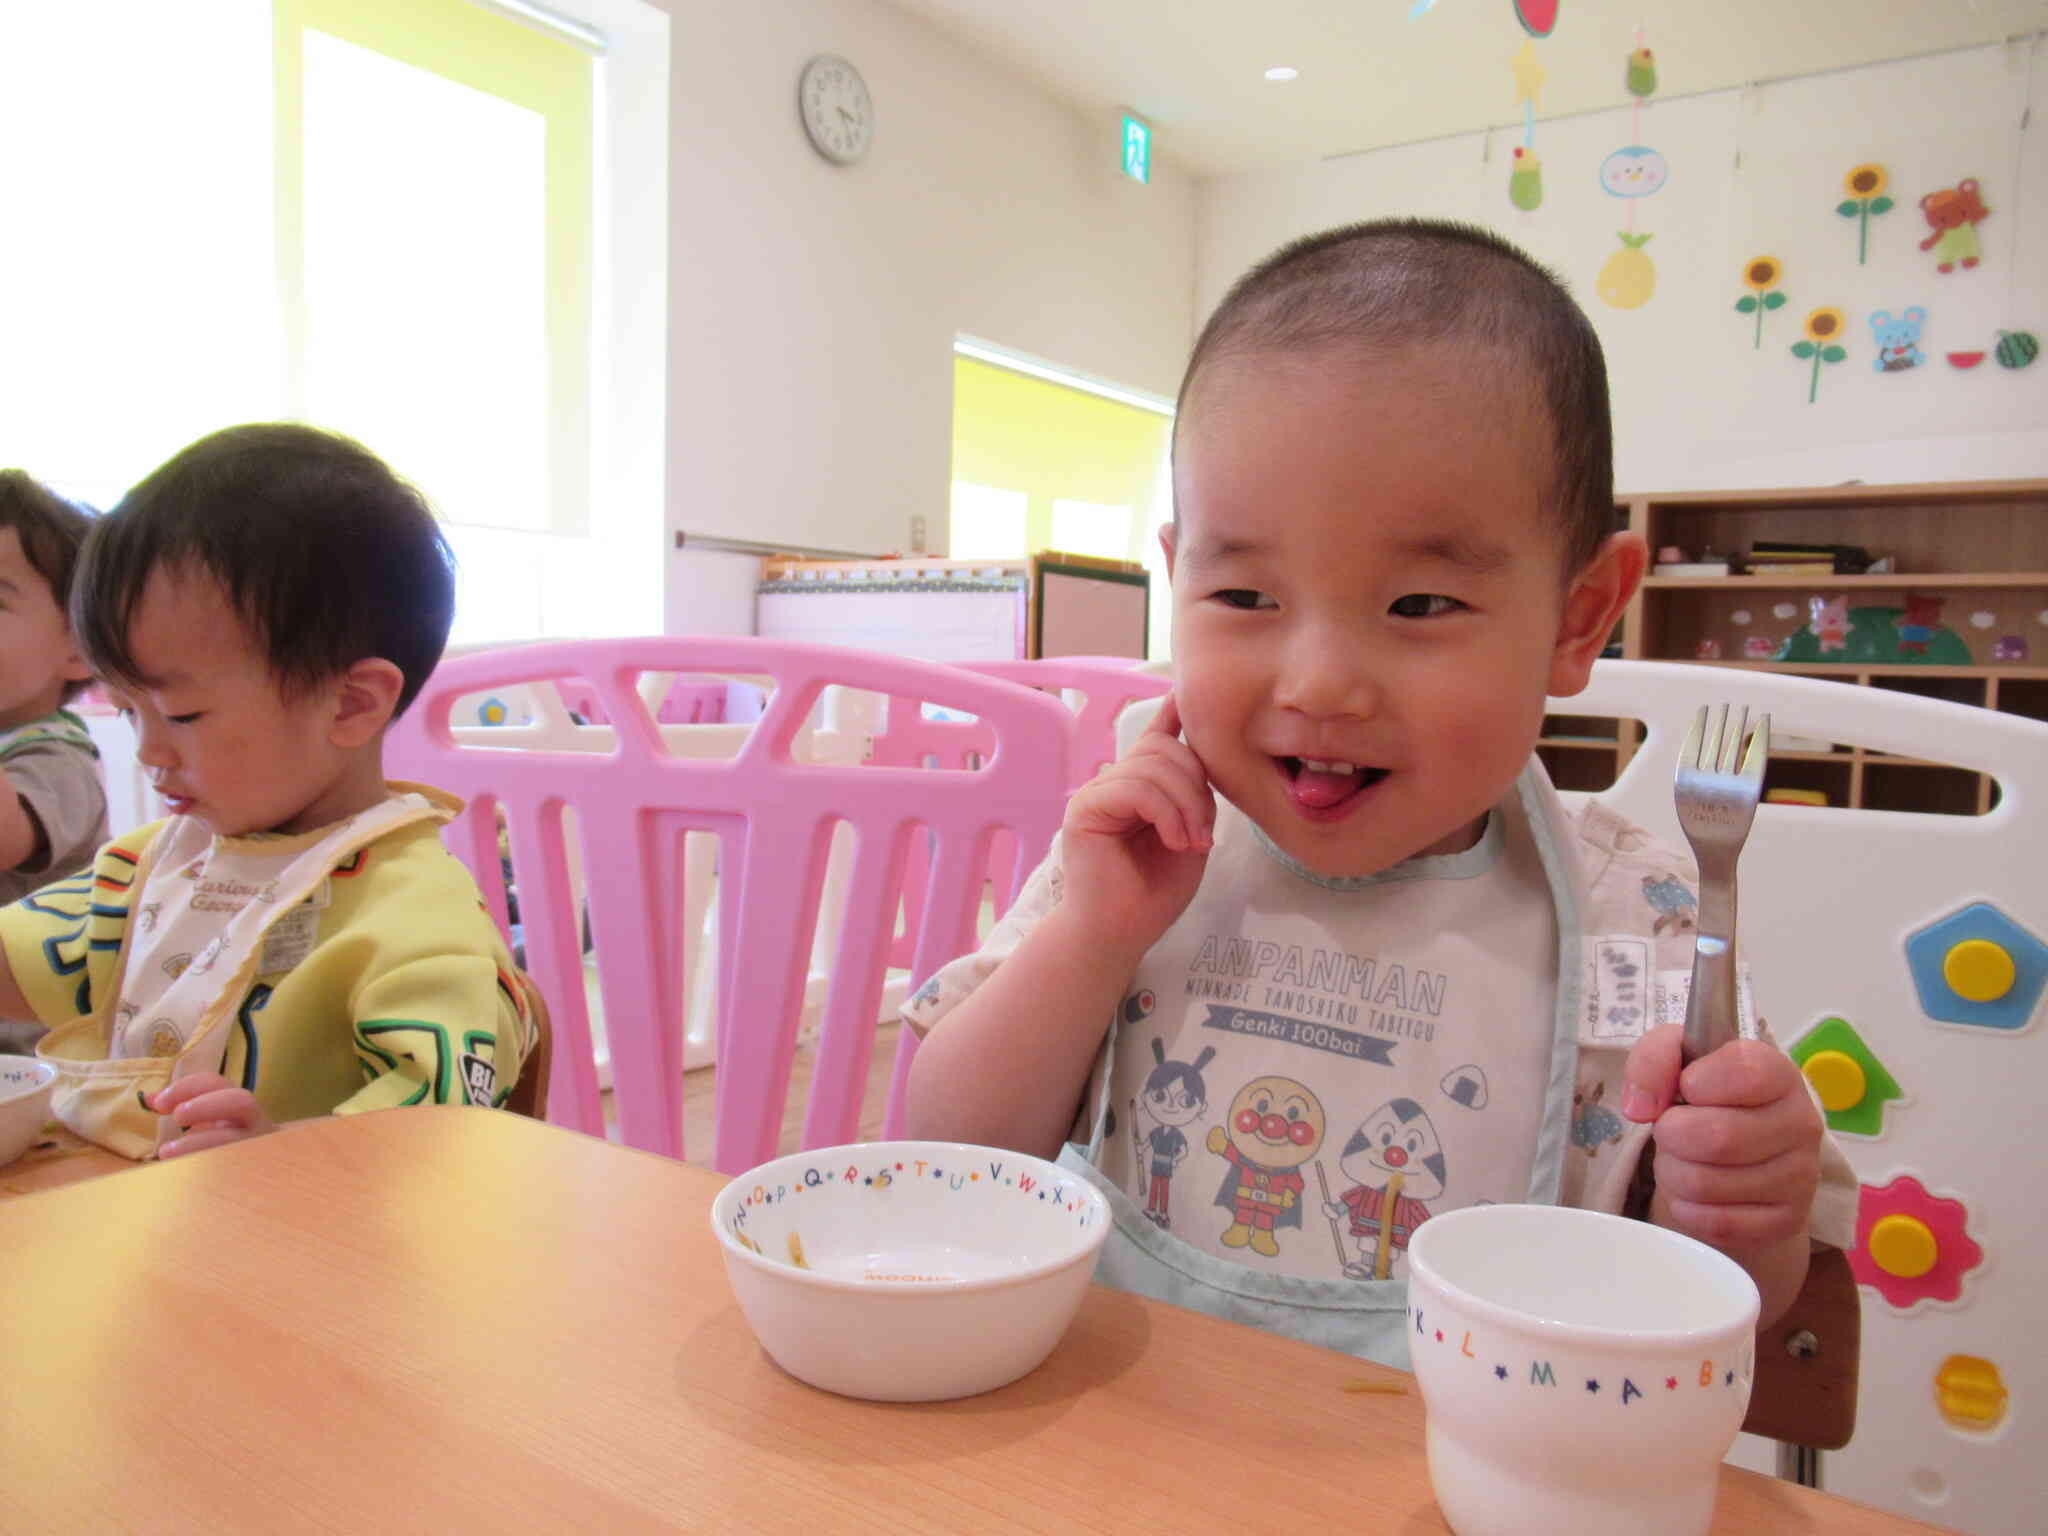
(1911, 950)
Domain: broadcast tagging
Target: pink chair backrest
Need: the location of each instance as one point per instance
(909, 739)
(773, 818)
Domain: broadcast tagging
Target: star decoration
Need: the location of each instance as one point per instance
(1592, 1386)
(1528, 74)
(1670, 1383)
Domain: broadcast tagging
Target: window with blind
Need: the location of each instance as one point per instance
(379, 216)
(1090, 470)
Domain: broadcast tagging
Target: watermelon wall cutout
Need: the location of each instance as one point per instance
(1538, 17)
(2016, 349)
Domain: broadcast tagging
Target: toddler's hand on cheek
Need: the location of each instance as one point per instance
(1137, 836)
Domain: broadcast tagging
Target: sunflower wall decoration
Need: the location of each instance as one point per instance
(1865, 188)
(1821, 344)
(1760, 276)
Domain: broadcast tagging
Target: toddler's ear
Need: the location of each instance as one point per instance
(365, 697)
(1593, 604)
(76, 669)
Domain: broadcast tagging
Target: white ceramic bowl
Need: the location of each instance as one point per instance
(25, 1087)
(1581, 1372)
(935, 1270)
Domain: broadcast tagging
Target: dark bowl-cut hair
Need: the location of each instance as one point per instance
(325, 555)
(52, 531)
(1395, 283)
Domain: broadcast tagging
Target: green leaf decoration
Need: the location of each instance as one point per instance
(1633, 242)
(1880, 205)
(1802, 349)
(1746, 305)
(1774, 301)
(1833, 355)
(1848, 208)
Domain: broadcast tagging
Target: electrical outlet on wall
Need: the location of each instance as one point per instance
(917, 535)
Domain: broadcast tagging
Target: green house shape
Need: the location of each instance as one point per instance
(1866, 1116)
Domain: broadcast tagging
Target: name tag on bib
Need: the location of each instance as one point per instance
(288, 941)
(1623, 995)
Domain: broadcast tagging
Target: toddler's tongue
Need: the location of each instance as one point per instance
(1319, 789)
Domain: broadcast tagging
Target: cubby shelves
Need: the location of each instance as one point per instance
(1977, 551)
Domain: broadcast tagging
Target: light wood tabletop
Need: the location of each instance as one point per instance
(460, 1320)
(54, 1158)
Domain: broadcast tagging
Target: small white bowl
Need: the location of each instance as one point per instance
(909, 1271)
(1580, 1372)
(25, 1088)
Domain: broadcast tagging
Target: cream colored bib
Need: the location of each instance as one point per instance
(207, 916)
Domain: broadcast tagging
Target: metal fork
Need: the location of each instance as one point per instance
(1719, 783)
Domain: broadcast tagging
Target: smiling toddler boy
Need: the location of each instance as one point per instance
(1333, 861)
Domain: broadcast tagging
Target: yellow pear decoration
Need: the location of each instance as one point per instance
(1628, 277)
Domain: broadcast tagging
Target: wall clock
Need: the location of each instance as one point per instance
(838, 114)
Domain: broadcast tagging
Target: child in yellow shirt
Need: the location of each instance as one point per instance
(293, 940)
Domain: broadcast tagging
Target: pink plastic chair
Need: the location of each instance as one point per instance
(909, 738)
(773, 818)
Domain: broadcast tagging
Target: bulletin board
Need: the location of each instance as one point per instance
(934, 612)
(1052, 604)
(1089, 608)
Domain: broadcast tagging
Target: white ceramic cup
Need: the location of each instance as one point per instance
(1581, 1372)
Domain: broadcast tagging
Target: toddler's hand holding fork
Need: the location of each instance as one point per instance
(1737, 1153)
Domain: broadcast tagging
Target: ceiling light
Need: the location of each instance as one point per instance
(1282, 72)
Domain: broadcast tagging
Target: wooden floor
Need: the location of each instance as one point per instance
(699, 1115)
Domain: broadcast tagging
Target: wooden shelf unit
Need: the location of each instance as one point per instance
(1981, 546)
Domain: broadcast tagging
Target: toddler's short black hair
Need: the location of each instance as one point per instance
(1402, 282)
(52, 531)
(326, 556)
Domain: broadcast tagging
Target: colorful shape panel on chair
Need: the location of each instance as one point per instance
(1980, 967)
(1851, 1083)
(1912, 1246)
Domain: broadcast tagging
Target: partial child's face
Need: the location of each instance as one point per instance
(1369, 600)
(37, 656)
(220, 740)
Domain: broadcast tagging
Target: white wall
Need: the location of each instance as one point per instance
(812, 308)
(1697, 405)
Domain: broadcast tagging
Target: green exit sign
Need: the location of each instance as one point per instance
(1137, 150)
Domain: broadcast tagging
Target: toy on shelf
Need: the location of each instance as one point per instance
(1920, 623)
(1830, 623)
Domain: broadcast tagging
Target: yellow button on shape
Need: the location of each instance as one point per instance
(1970, 1392)
(1902, 1246)
(1838, 1078)
(1979, 970)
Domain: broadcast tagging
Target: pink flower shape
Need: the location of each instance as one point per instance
(1955, 1254)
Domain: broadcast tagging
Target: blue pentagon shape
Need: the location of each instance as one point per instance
(1929, 947)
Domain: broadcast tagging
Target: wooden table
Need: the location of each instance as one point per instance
(457, 1320)
(54, 1158)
